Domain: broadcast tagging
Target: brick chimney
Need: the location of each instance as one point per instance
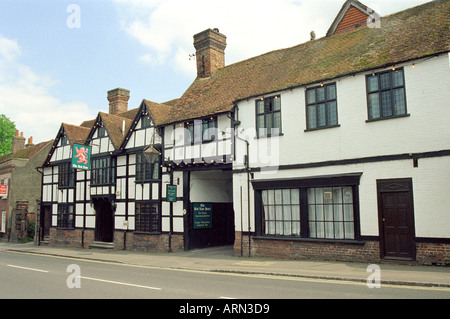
(118, 100)
(210, 51)
(30, 142)
(18, 142)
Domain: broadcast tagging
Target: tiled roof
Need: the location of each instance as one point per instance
(27, 153)
(76, 134)
(411, 34)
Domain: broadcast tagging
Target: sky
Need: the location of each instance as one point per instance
(58, 58)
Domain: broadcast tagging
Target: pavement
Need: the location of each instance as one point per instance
(222, 259)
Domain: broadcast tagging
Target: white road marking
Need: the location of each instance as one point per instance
(119, 283)
(26, 268)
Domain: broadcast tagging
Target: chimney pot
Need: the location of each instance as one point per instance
(118, 100)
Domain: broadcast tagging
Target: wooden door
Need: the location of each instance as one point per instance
(104, 228)
(396, 218)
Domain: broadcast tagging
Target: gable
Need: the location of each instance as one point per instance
(352, 15)
(142, 131)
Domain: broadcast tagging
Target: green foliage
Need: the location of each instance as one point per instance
(7, 131)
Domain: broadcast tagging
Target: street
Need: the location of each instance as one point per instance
(33, 276)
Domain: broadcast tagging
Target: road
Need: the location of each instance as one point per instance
(33, 276)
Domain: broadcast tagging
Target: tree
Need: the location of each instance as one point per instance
(7, 131)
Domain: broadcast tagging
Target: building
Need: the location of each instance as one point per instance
(336, 148)
(21, 184)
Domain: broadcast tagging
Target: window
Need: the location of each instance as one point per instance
(65, 218)
(321, 107)
(146, 122)
(199, 131)
(147, 217)
(101, 131)
(268, 116)
(281, 214)
(330, 213)
(386, 97)
(322, 208)
(146, 171)
(66, 175)
(103, 171)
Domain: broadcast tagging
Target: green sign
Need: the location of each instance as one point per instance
(171, 193)
(202, 216)
(81, 156)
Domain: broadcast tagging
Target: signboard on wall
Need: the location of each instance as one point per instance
(171, 193)
(81, 156)
(4, 191)
(202, 215)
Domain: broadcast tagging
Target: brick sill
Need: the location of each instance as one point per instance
(313, 240)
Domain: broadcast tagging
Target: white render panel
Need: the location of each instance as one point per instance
(121, 160)
(79, 209)
(121, 208)
(178, 225)
(165, 224)
(79, 221)
(140, 138)
(90, 221)
(155, 191)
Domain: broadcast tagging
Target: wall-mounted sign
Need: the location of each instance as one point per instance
(171, 193)
(202, 215)
(81, 157)
(4, 191)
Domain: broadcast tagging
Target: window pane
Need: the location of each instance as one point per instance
(320, 94)
(332, 113)
(269, 121)
(295, 196)
(311, 96)
(386, 103)
(374, 106)
(295, 210)
(296, 228)
(338, 230)
(348, 195)
(276, 103)
(349, 231)
(277, 121)
(312, 230)
(385, 81)
(372, 83)
(260, 121)
(397, 78)
(259, 107)
(312, 121)
(286, 196)
(329, 230)
(399, 101)
(331, 92)
(322, 116)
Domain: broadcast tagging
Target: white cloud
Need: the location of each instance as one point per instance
(25, 97)
(166, 27)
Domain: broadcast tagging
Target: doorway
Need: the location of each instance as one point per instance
(396, 219)
(46, 220)
(104, 221)
(210, 214)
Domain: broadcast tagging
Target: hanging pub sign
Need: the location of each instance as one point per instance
(81, 156)
(202, 215)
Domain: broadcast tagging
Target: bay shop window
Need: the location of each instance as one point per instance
(309, 209)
